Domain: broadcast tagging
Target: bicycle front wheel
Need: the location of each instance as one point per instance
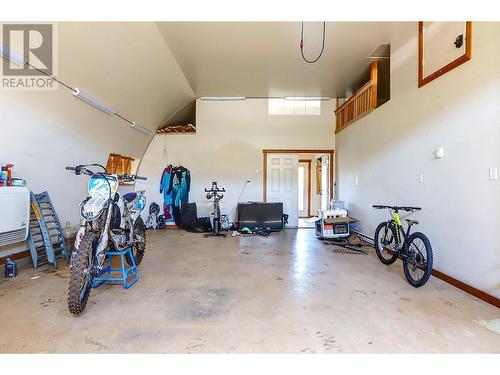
(418, 264)
(385, 243)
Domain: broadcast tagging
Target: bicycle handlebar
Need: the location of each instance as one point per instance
(397, 208)
(222, 190)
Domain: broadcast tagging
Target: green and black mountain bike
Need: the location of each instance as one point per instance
(391, 242)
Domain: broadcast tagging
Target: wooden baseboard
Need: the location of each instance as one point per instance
(16, 256)
(457, 283)
(467, 288)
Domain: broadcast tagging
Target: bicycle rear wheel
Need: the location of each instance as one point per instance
(418, 264)
(385, 243)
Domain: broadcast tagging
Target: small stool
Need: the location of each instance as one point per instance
(125, 272)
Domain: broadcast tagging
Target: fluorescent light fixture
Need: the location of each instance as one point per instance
(13, 56)
(93, 102)
(223, 98)
(303, 98)
(139, 128)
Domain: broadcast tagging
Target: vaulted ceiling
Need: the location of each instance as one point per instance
(263, 58)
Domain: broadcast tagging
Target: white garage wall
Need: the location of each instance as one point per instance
(42, 132)
(388, 149)
(227, 148)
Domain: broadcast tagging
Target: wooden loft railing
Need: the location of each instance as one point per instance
(360, 104)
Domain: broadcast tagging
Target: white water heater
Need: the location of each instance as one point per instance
(14, 214)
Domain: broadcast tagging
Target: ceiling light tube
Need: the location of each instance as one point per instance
(13, 56)
(139, 128)
(93, 102)
(307, 98)
(223, 98)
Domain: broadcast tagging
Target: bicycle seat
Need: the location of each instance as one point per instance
(412, 222)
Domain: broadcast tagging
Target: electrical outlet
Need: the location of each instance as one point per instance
(356, 181)
(421, 178)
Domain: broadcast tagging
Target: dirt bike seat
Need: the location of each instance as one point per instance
(129, 197)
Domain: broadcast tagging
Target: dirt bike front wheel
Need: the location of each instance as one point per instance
(80, 282)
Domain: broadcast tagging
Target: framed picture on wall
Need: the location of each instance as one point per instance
(442, 46)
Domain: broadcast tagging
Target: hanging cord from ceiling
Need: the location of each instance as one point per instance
(302, 44)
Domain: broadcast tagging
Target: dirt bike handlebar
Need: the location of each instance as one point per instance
(131, 177)
(79, 169)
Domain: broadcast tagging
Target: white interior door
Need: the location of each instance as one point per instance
(282, 184)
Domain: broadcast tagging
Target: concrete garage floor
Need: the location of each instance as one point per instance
(287, 293)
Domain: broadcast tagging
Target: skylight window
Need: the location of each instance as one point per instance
(280, 106)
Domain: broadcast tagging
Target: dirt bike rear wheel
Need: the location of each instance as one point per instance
(138, 248)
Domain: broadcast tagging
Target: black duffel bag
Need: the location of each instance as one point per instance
(188, 215)
(190, 221)
(202, 225)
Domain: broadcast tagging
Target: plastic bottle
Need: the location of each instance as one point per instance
(9, 174)
(10, 268)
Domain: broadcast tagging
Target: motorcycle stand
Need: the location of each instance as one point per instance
(124, 273)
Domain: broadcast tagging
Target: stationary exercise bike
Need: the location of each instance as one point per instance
(215, 193)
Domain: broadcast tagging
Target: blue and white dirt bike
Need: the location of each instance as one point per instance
(109, 221)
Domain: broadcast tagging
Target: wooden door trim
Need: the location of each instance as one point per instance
(265, 152)
(309, 183)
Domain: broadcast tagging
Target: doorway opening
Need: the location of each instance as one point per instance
(302, 180)
(304, 184)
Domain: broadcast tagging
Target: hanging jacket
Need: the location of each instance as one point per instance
(185, 185)
(166, 179)
(180, 177)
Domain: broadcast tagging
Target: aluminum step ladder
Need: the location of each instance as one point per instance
(45, 234)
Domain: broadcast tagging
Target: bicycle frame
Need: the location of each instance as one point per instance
(401, 245)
